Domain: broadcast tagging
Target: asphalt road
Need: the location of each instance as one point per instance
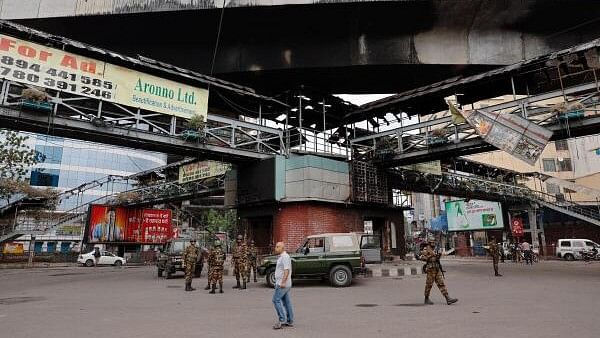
(550, 299)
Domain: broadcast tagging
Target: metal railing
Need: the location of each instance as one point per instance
(219, 131)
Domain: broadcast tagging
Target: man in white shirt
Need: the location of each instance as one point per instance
(527, 252)
(283, 285)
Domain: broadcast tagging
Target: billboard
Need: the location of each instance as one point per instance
(473, 215)
(13, 249)
(515, 135)
(107, 224)
(39, 65)
(201, 170)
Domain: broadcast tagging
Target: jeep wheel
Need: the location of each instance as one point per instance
(569, 257)
(340, 276)
(270, 277)
(118, 264)
(160, 273)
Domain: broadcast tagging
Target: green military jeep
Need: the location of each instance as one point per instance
(170, 260)
(336, 257)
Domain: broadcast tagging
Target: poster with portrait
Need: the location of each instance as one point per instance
(109, 224)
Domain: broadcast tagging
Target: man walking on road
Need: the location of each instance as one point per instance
(495, 255)
(434, 273)
(526, 247)
(283, 285)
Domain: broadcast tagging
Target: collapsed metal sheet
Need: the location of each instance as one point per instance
(513, 134)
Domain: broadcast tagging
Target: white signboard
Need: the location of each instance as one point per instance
(474, 215)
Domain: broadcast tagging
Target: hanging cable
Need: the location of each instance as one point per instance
(214, 58)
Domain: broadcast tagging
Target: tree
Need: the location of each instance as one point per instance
(220, 220)
(16, 157)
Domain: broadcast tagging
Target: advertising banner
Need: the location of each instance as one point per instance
(201, 170)
(131, 225)
(517, 136)
(13, 249)
(517, 227)
(474, 215)
(47, 67)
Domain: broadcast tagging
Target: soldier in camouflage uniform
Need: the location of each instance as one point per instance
(434, 272)
(252, 261)
(240, 262)
(495, 253)
(190, 257)
(216, 259)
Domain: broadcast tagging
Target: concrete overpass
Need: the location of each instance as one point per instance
(336, 46)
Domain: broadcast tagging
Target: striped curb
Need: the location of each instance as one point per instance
(393, 272)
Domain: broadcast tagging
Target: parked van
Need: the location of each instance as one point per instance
(569, 249)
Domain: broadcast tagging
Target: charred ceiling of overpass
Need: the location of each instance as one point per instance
(359, 47)
(554, 71)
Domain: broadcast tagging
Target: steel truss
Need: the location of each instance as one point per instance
(474, 187)
(438, 136)
(82, 117)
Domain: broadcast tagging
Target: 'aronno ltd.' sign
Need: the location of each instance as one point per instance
(39, 65)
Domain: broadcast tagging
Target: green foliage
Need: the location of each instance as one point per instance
(197, 122)
(16, 157)
(220, 220)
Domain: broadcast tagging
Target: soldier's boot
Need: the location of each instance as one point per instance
(244, 284)
(255, 276)
(220, 287)
(450, 300)
(207, 287)
(238, 286)
(427, 301)
(188, 286)
(214, 286)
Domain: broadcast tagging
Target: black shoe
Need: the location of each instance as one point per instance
(288, 324)
(498, 275)
(244, 286)
(237, 286)
(207, 287)
(213, 290)
(450, 301)
(427, 301)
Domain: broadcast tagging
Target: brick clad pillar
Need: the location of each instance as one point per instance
(294, 221)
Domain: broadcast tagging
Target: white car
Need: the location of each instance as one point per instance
(106, 258)
(570, 249)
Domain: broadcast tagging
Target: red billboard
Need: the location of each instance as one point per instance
(108, 224)
(517, 227)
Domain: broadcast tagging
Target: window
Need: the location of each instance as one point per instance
(549, 164)
(316, 244)
(49, 154)
(578, 244)
(561, 145)
(566, 244)
(552, 188)
(589, 243)
(564, 164)
(44, 177)
(339, 243)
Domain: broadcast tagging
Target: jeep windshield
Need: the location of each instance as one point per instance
(177, 247)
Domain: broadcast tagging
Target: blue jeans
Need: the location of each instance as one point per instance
(282, 300)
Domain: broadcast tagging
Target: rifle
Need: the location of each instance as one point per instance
(438, 255)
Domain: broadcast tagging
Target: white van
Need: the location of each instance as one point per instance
(569, 249)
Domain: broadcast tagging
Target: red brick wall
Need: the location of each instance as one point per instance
(294, 221)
